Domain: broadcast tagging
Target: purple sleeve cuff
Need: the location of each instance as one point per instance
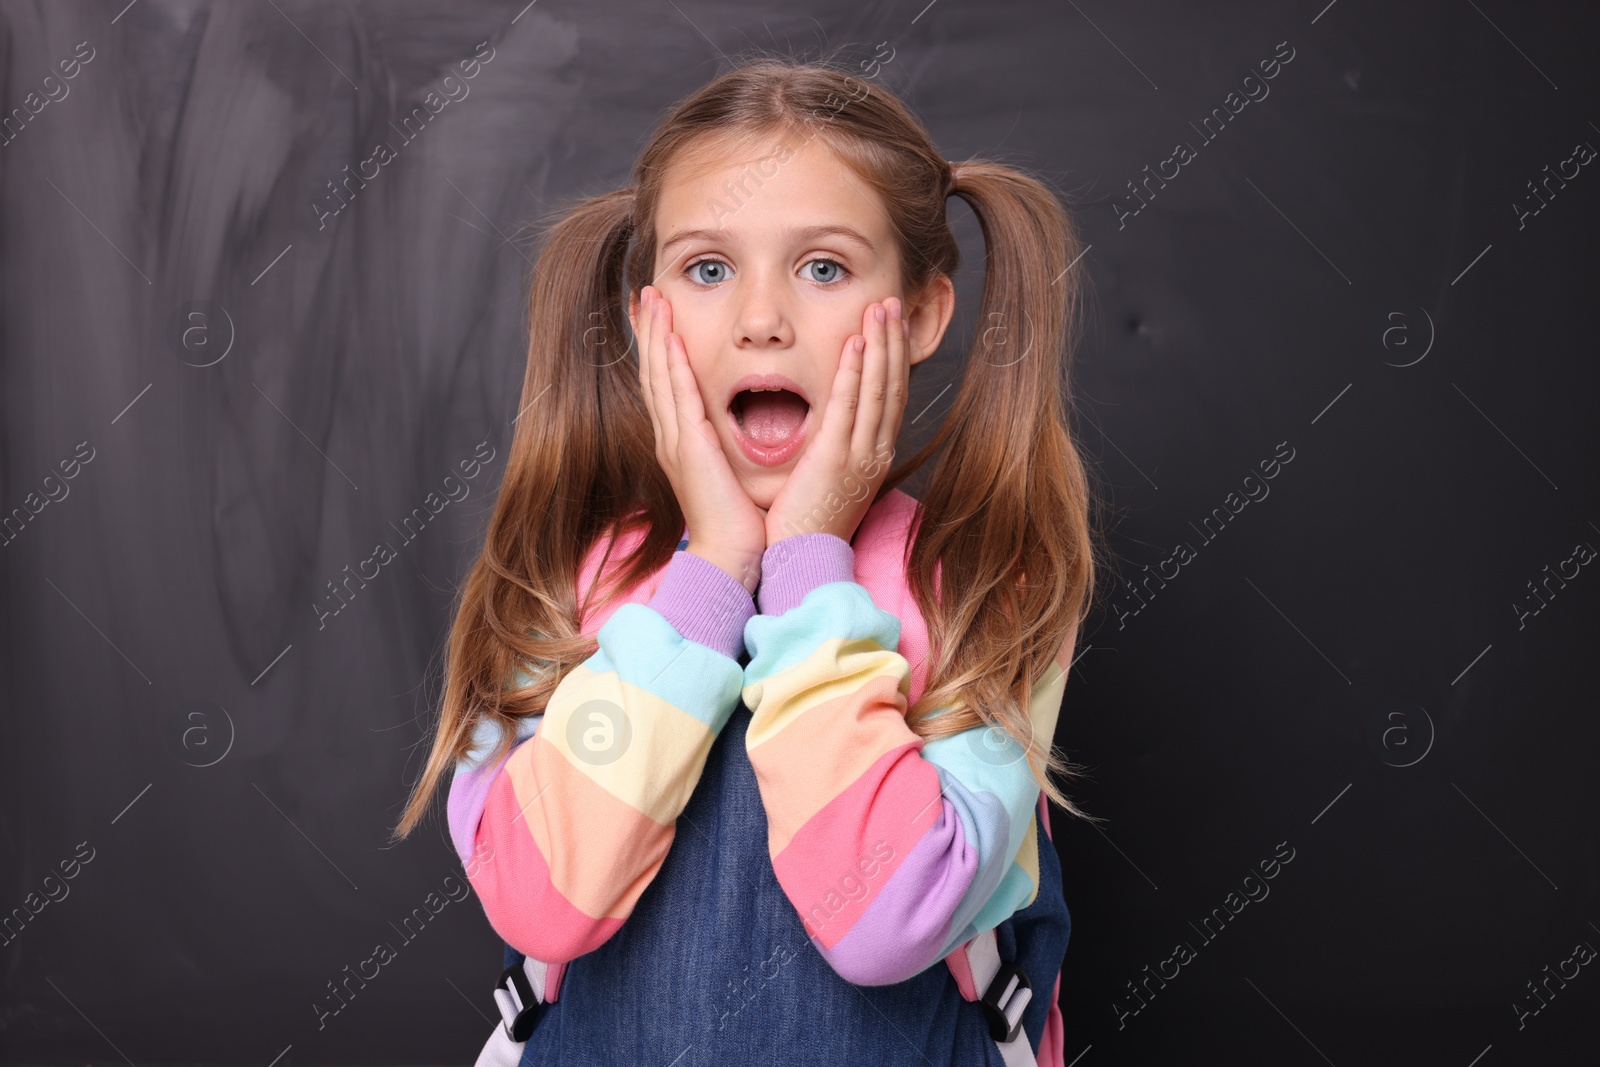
(795, 565)
(704, 603)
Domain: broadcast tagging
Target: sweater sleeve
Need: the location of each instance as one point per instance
(562, 836)
(893, 850)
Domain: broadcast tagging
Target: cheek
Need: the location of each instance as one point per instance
(838, 333)
(826, 360)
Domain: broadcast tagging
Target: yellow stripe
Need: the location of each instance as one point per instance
(838, 667)
(1028, 859)
(1045, 706)
(662, 748)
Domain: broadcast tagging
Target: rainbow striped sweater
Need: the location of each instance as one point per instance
(894, 850)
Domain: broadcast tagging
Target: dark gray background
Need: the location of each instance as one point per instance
(1342, 669)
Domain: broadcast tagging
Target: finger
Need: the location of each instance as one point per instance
(899, 384)
(647, 332)
(660, 368)
(874, 377)
(636, 324)
(686, 394)
(843, 402)
(642, 339)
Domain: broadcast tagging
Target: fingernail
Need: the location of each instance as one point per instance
(878, 313)
(894, 306)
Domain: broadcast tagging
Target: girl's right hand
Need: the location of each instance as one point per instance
(725, 525)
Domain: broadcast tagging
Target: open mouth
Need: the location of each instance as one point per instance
(769, 416)
(770, 423)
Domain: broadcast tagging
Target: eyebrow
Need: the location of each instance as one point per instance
(805, 233)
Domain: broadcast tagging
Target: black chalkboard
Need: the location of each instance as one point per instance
(1336, 390)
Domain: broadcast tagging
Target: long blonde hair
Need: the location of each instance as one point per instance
(1008, 495)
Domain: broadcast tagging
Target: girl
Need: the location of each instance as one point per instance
(746, 743)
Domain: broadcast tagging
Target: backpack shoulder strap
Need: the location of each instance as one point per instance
(522, 992)
(1005, 993)
(881, 543)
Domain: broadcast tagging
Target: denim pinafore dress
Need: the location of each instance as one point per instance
(714, 967)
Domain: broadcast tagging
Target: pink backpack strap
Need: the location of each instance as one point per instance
(1053, 1043)
(553, 981)
(880, 544)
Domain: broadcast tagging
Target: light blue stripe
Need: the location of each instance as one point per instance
(988, 763)
(486, 734)
(833, 610)
(986, 826)
(987, 760)
(644, 650)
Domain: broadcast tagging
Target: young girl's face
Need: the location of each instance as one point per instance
(769, 259)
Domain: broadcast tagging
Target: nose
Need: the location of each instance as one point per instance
(763, 319)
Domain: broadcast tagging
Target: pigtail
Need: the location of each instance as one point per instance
(1005, 514)
(582, 458)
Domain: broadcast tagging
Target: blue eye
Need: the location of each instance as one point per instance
(833, 270)
(718, 267)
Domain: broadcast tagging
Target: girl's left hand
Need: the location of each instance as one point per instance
(836, 478)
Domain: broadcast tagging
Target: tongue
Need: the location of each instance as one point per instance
(771, 418)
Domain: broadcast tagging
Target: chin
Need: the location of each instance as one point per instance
(765, 490)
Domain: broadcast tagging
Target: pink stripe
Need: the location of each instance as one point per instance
(513, 882)
(844, 855)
